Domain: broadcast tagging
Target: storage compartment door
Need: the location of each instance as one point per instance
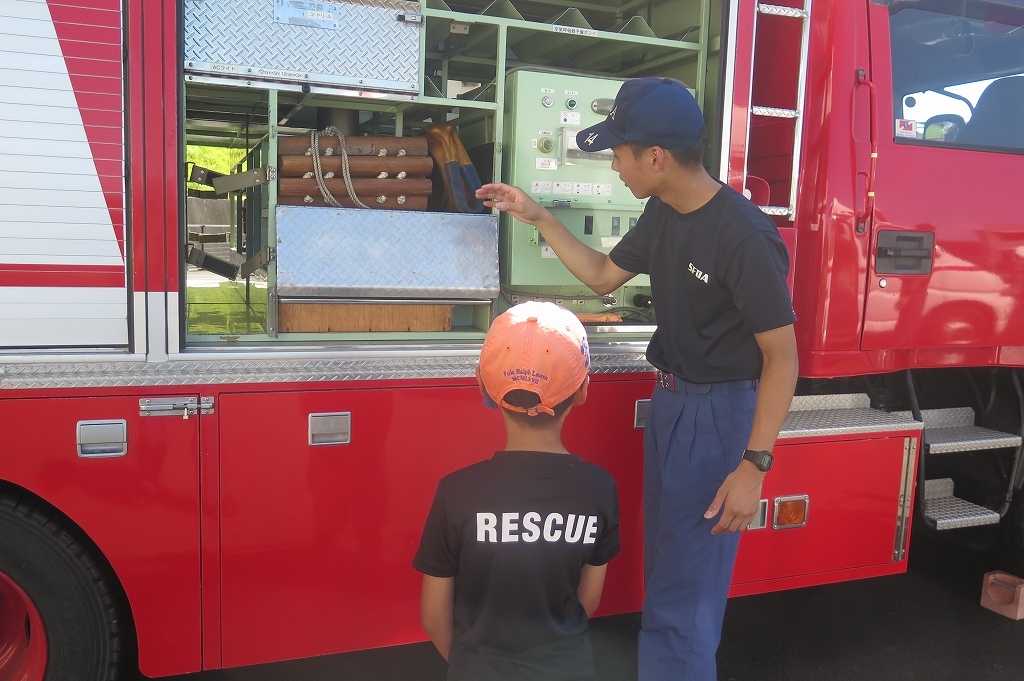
(365, 45)
(853, 491)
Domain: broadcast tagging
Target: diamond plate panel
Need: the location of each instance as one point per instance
(944, 418)
(264, 40)
(819, 402)
(938, 488)
(781, 11)
(951, 513)
(383, 364)
(967, 439)
(841, 414)
(360, 253)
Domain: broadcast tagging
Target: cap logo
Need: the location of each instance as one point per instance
(538, 347)
(591, 138)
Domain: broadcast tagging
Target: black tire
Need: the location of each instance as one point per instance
(43, 554)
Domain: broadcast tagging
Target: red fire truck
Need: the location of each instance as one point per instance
(226, 396)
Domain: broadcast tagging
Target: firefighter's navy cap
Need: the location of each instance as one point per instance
(650, 112)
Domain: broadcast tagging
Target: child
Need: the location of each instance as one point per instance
(515, 547)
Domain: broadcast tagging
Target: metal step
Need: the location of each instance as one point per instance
(953, 430)
(774, 112)
(781, 11)
(842, 414)
(949, 512)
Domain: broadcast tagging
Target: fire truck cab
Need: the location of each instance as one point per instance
(227, 393)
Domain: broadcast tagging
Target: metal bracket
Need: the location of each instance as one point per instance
(210, 263)
(263, 257)
(201, 175)
(244, 180)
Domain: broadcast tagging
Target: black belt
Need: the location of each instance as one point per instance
(679, 384)
(667, 380)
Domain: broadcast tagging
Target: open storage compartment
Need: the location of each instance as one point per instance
(275, 247)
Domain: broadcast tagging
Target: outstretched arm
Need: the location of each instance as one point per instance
(593, 268)
(738, 496)
(437, 602)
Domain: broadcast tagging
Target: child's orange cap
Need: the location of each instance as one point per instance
(540, 347)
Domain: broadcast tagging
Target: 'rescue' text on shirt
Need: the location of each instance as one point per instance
(552, 528)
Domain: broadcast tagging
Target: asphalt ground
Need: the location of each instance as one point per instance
(923, 625)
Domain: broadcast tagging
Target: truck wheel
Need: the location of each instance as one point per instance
(58, 619)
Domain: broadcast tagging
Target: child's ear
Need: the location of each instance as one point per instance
(581, 394)
(488, 402)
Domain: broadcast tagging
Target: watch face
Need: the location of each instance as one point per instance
(763, 460)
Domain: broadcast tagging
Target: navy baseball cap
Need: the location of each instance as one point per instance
(649, 112)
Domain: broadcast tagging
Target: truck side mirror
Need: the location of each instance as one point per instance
(943, 128)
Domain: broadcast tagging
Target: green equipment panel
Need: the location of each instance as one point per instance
(544, 111)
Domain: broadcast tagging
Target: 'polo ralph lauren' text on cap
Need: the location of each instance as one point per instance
(535, 346)
(650, 112)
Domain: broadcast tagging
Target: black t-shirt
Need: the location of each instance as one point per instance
(718, 276)
(515, 531)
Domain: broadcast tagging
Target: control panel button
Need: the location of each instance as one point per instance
(602, 106)
(547, 100)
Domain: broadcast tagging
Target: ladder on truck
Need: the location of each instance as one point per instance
(795, 114)
(951, 431)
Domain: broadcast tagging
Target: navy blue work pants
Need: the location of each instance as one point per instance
(694, 437)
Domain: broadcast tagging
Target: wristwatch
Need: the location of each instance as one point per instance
(761, 459)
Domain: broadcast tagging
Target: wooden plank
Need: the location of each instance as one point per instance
(390, 203)
(356, 146)
(361, 317)
(365, 188)
(358, 166)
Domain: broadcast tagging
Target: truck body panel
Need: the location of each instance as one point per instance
(269, 492)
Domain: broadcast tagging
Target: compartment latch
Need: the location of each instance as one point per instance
(175, 406)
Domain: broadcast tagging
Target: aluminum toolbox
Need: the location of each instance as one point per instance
(356, 253)
(297, 41)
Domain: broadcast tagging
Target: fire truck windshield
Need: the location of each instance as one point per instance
(958, 73)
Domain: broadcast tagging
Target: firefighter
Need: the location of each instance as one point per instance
(515, 548)
(724, 350)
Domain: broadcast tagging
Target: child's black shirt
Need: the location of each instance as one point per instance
(515, 531)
